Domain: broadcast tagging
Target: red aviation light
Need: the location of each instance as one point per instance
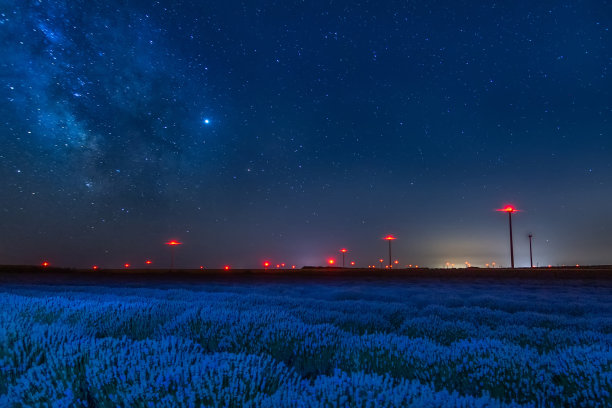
(148, 262)
(508, 209)
(94, 267)
(344, 250)
(389, 238)
(45, 264)
(331, 261)
(173, 243)
(226, 267)
(127, 265)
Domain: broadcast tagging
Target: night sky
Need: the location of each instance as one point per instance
(286, 130)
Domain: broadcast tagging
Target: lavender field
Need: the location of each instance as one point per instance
(379, 343)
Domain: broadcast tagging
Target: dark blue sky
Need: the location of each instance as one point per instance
(287, 130)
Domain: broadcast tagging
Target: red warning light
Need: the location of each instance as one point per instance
(173, 243)
(94, 267)
(148, 262)
(344, 250)
(201, 267)
(331, 261)
(352, 263)
(508, 209)
(292, 266)
(266, 264)
(127, 265)
(390, 238)
(45, 264)
(226, 267)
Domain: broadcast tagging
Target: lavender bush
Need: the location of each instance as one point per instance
(376, 344)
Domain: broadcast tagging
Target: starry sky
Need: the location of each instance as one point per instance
(286, 130)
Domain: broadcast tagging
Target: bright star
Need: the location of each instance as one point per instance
(206, 121)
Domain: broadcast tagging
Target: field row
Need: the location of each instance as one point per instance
(273, 345)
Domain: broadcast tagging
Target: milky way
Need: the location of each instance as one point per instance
(287, 130)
